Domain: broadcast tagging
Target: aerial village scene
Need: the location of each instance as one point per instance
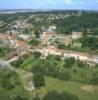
(49, 54)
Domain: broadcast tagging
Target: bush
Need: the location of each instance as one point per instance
(17, 63)
(36, 98)
(65, 75)
(60, 96)
(18, 97)
(34, 42)
(69, 62)
(36, 54)
(38, 80)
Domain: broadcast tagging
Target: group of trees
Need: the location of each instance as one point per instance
(34, 42)
(38, 80)
(6, 20)
(68, 24)
(87, 44)
(54, 66)
(94, 79)
(8, 79)
(53, 95)
(90, 42)
(60, 96)
(77, 23)
(20, 97)
(4, 51)
(69, 69)
(10, 86)
(17, 63)
(65, 25)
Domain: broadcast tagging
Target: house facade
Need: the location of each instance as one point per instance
(47, 36)
(77, 35)
(64, 39)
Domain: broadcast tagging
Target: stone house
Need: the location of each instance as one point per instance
(47, 36)
(64, 39)
(77, 35)
(95, 59)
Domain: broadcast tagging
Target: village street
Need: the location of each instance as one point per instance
(23, 48)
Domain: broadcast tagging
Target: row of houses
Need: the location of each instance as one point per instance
(12, 42)
(7, 40)
(48, 36)
(19, 26)
(67, 54)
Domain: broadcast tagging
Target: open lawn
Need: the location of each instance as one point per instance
(73, 88)
(28, 63)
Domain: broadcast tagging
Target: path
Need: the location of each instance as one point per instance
(25, 76)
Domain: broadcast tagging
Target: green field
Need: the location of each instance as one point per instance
(4, 51)
(73, 88)
(77, 85)
(82, 91)
(10, 93)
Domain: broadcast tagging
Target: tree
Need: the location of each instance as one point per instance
(61, 46)
(5, 79)
(94, 79)
(34, 42)
(17, 63)
(18, 97)
(6, 84)
(37, 34)
(60, 96)
(85, 32)
(36, 98)
(36, 54)
(38, 80)
(81, 64)
(69, 62)
(65, 75)
(37, 68)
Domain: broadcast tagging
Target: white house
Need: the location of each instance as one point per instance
(24, 36)
(76, 35)
(52, 28)
(95, 59)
